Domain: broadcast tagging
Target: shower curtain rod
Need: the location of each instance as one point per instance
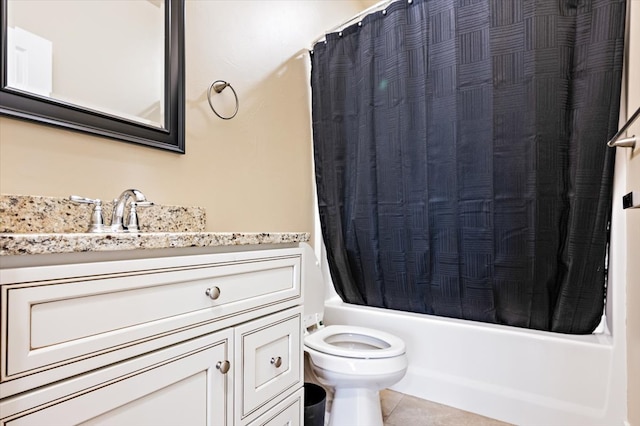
(629, 142)
(380, 5)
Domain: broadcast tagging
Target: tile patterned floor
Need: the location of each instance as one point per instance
(405, 410)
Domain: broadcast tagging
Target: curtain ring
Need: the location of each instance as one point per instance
(218, 86)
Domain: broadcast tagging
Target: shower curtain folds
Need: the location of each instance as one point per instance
(461, 162)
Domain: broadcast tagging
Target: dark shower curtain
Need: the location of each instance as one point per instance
(461, 159)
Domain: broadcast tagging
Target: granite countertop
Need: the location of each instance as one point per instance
(34, 225)
(26, 244)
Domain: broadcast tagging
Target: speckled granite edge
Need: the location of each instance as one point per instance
(38, 214)
(27, 244)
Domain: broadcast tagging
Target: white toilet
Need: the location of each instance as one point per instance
(357, 362)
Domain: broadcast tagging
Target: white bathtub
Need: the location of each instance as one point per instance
(520, 376)
(516, 375)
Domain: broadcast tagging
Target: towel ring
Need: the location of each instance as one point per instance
(218, 86)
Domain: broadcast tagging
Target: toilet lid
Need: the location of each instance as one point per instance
(355, 342)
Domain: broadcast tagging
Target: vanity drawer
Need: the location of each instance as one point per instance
(270, 351)
(288, 412)
(49, 323)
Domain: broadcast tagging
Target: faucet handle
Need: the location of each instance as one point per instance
(133, 223)
(97, 221)
(83, 200)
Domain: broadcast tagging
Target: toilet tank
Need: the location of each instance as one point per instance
(313, 287)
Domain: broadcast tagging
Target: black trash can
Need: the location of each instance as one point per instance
(315, 398)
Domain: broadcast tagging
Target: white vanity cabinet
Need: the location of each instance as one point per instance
(198, 339)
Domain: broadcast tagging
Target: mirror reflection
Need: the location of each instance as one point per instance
(106, 55)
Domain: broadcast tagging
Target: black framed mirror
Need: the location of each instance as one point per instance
(156, 122)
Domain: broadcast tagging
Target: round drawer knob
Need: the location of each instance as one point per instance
(277, 361)
(223, 366)
(213, 292)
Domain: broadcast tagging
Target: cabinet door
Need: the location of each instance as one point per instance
(180, 385)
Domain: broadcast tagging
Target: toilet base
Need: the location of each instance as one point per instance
(356, 407)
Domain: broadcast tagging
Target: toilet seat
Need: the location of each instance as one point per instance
(355, 342)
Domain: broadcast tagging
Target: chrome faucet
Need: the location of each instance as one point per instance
(117, 218)
(119, 205)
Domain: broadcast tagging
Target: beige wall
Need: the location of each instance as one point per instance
(252, 173)
(633, 227)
